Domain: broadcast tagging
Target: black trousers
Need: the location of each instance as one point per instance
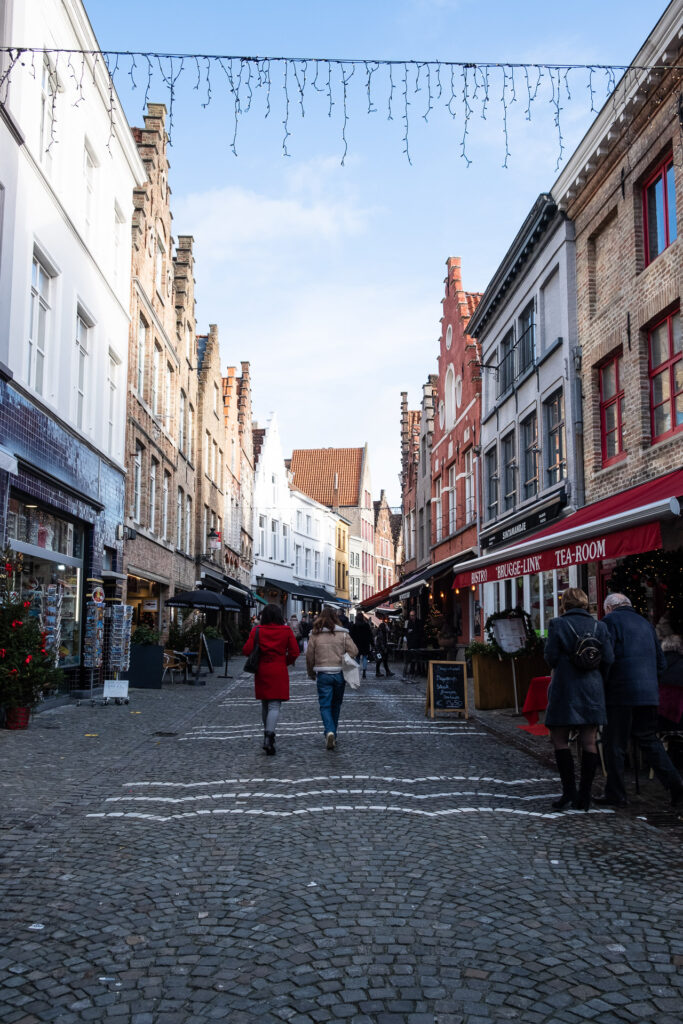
(641, 723)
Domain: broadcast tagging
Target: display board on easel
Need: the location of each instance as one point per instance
(511, 637)
(202, 653)
(447, 688)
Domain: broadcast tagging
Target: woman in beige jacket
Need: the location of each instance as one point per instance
(327, 644)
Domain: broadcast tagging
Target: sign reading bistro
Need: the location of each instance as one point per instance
(609, 545)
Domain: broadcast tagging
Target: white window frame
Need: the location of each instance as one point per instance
(39, 322)
(180, 501)
(137, 481)
(80, 377)
(164, 504)
(153, 494)
(188, 524)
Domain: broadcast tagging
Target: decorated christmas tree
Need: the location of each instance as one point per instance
(27, 667)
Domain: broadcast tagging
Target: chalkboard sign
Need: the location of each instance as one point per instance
(203, 652)
(447, 687)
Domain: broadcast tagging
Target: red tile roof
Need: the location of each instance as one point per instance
(314, 473)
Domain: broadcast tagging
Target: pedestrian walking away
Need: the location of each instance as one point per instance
(382, 648)
(632, 697)
(576, 698)
(414, 637)
(327, 644)
(361, 634)
(278, 649)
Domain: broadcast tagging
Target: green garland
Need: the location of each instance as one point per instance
(662, 569)
(492, 649)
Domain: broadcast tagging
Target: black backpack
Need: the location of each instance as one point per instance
(587, 652)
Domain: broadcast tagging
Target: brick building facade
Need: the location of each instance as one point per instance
(385, 553)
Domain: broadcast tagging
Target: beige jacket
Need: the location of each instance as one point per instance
(325, 651)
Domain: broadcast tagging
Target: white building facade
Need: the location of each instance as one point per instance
(313, 528)
(272, 572)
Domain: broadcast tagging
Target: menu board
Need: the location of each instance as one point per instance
(447, 687)
(510, 633)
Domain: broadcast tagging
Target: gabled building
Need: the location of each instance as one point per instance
(410, 464)
(273, 568)
(385, 557)
(340, 479)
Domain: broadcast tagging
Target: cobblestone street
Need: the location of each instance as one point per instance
(159, 868)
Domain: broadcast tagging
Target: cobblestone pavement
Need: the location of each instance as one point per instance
(159, 868)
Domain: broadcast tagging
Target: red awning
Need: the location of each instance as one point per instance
(623, 524)
(378, 598)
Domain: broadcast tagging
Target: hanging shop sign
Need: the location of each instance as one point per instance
(517, 531)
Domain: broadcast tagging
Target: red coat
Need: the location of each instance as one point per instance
(279, 648)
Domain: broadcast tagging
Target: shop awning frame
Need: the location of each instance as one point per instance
(517, 560)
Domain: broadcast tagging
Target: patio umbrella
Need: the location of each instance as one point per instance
(202, 599)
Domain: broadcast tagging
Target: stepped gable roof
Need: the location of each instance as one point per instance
(258, 434)
(314, 470)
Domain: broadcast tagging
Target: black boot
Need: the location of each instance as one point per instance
(589, 762)
(265, 739)
(269, 745)
(565, 766)
(364, 676)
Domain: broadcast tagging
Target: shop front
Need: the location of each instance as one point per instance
(587, 549)
(147, 595)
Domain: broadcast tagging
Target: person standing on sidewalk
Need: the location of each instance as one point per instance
(382, 648)
(576, 698)
(327, 644)
(632, 694)
(361, 634)
(278, 649)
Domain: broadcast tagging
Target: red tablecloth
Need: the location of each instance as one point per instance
(536, 700)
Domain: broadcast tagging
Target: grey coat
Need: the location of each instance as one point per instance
(638, 660)
(575, 697)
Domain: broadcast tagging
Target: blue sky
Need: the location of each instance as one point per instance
(329, 279)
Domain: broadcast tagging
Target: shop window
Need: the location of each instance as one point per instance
(38, 324)
(556, 464)
(526, 344)
(509, 471)
(491, 469)
(659, 210)
(529, 431)
(665, 354)
(612, 408)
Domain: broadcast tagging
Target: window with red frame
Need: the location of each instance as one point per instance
(612, 409)
(666, 376)
(659, 210)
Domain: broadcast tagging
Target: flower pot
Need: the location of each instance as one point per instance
(17, 718)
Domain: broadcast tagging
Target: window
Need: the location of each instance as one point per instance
(188, 524)
(205, 530)
(48, 98)
(274, 529)
(509, 471)
(164, 504)
(156, 370)
(262, 536)
(420, 533)
(451, 499)
(506, 367)
(119, 247)
(299, 519)
(137, 481)
(469, 486)
(168, 397)
(219, 467)
(190, 433)
(529, 429)
(37, 335)
(181, 422)
(666, 376)
(214, 451)
(81, 369)
(659, 211)
(153, 495)
(112, 383)
(423, 454)
(207, 451)
(215, 398)
(556, 466)
(297, 559)
(449, 397)
(89, 190)
(491, 463)
(611, 408)
(233, 454)
(159, 267)
(308, 562)
(142, 345)
(285, 542)
(526, 345)
(308, 525)
(439, 512)
(179, 520)
(317, 565)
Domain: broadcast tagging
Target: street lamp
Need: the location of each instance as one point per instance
(214, 540)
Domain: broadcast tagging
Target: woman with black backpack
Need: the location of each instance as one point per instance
(579, 652)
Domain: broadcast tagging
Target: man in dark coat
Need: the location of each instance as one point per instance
(361, 634)
(415, 638)
(632, 698)
(382, 648)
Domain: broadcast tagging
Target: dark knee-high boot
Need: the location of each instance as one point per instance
(565, 766)
(269, 746)
(589, 762)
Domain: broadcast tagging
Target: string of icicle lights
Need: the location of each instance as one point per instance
(402, 89)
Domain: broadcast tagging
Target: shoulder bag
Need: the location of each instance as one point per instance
(350, 669)
(251, 664)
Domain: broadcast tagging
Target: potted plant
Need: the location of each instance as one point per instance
(146, 659)
(27, 666)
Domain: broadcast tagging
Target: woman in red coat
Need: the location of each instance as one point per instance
(278, 648)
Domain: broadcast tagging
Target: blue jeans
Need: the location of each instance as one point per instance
(330, 697)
